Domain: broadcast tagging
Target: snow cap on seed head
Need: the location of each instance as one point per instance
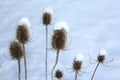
(23, 31)
(103, 52)
(62, 25)
(24, 21)
(48, 10)
(79, 57)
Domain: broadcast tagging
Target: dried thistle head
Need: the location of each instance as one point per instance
(16, 50)
(77, 65)
(58, 74)
(101, 58)
(46, 18)
(59, 39)
(22, 34)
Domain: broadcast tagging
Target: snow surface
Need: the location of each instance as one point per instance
(62, 25)
(94, 24)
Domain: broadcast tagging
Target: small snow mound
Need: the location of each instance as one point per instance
(103, 52)
(24, 21)
(48, 10)
(79, 57)
(62, 25)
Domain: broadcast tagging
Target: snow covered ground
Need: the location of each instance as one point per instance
(94, 24)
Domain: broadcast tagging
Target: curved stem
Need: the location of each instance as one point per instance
(46, 53)
(25, 63)
(19, 70)
(75, 75)
(57, 55)
(95, 71)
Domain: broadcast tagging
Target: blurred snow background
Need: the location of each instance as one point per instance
(94, 24)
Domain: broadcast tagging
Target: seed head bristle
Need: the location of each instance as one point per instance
(101, 58)
(58, 74)
(22, 34)
(16, 50)
(46, 18)
(77, 65)
(59, 39)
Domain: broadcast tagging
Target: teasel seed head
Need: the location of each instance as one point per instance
(22, 34)
(59, 39)
(58, 74)
(101, 56)
(46, 19)
(47, 16)
(16, 50)
(77, 64)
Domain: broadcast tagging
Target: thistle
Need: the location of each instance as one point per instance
(47, 21)
(77, 64)
(58, 41)
(100, 59)
(23, 35)
(16, 52)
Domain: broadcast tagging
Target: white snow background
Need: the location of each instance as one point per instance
(94, 24)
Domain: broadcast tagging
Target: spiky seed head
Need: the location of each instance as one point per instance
(58, 74)
(101, 58)
(77, 65)
(46, 18)
(16, 50)
(22, 34)
(59, 39)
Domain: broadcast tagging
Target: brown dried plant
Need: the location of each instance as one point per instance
(23, 35)
(16, 52)
(58, 43)
(46, 21)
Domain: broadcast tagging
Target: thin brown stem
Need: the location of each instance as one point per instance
(95, 71)
(57, 55)
(19, 70)
(25, 63)
(46, 53)
(75, 75)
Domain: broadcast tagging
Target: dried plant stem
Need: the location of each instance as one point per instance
(19, 70)
(95, 71)
(25, 63)
(46, 53)
(75, 75)
(57, 55)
